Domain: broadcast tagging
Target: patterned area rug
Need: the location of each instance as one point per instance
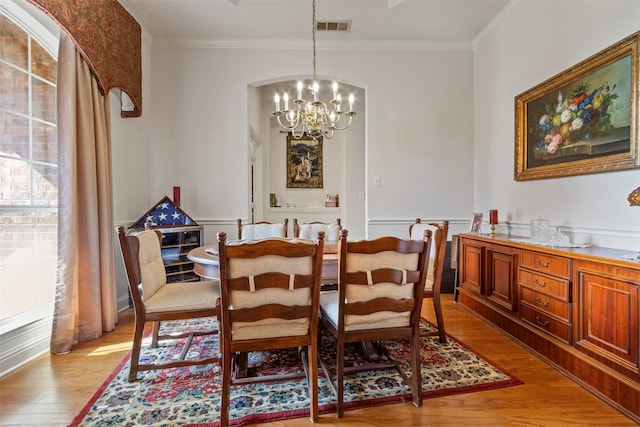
(191, 395)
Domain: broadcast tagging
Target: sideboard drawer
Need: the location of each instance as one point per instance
(546, 284)
(548, 264)
(546, 323)
(546, 303)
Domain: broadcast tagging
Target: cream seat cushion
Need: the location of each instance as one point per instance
(356, 293)
(262, 231)
(180, 296)
(272, 327)
(160, 296)
(152, 272)
(310, 231)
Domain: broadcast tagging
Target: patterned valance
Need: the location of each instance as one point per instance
(109, 39)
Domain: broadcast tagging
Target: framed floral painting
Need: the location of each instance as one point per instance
(583, 120)
(304, 162)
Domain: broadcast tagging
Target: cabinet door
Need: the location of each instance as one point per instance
(500, 278)
(607, 313)
(471, 263)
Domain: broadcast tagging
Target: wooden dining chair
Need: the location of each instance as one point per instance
(269, 300)
(379, 298)
(155, 300)
(433, 285)
(262, 230)
(308, 230)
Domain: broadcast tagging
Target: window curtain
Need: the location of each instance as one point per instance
(85, 299)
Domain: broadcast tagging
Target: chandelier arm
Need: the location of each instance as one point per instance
(290, 126)
(298, 136)
(347, 125)
(328, 133)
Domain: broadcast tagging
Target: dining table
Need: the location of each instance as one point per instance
(206, 263)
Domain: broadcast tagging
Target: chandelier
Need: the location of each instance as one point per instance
(313, 117)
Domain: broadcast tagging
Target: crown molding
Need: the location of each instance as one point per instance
(497, 20)
(279, 44)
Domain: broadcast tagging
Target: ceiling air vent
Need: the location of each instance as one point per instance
(344, 26)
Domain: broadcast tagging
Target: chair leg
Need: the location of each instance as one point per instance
(226, 389)
(416, 371)
(437, 305)
(340, 378)
(312, 354)
(456, 288)
(138, 331)
(154, 335)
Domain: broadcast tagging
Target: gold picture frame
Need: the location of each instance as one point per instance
(304, 162)
(583, 120)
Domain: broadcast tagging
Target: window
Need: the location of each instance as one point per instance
(28, 169)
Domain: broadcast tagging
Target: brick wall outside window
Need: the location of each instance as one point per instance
(28, 172)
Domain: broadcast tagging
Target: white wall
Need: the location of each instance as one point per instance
(419, 113)
(532, 42)
(131, 148)
(439, 127)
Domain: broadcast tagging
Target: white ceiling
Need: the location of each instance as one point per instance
(374, 22)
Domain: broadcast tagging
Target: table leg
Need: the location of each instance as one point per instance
(370, 352)
(240, 367)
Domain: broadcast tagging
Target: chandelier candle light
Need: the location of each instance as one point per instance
(493, 220)
(313, 117)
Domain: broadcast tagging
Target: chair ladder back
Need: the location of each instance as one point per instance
(270, 311)
(285, 227)
(440, 236)
(297, 226)
(268, 280)
(415, 278)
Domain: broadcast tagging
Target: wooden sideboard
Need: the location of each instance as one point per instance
(576, 308)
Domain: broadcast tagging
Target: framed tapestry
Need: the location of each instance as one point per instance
(304, 162)
(583, 120)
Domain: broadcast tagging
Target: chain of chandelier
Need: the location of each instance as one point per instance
(313, 117)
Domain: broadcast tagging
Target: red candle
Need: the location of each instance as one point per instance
(176, 195)
(493, 216)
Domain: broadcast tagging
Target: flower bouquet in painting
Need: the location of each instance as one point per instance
(588, 117)
(579, 116)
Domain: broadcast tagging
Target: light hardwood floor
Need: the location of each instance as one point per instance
(52, 389)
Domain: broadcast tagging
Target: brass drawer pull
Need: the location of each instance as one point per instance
(541, 264)
(542, 304)
(541, 323)
(539, 283)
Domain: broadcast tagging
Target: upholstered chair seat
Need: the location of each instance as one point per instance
(155, 300)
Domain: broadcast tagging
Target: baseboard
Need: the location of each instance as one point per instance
(22, 345)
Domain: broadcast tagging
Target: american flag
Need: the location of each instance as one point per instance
(165, 212)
